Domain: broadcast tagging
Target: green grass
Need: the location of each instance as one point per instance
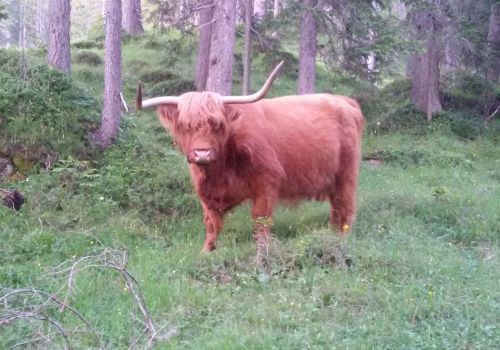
(425, 248)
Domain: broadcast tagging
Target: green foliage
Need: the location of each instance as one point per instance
(96, 32)
(88, 44)
(172, 87)
(425, 245)
(88, 57)
(389, 109)
(468, 92)
(175, 42)
(410, 155)
(164, 82)
(155, 184)
(44, 113)
(156, 76)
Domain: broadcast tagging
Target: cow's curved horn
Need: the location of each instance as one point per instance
(259, 94)
(155, 101)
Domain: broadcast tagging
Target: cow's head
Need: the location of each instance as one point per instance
(200, 122)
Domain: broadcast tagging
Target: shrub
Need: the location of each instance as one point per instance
(470, 92)
(156, 76)
(175, 86)
(88, 44)
(175, 42)
(88, 57)
(96, 32)
(44, 114)
(389, 109)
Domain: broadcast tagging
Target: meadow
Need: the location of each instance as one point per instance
(425, 270)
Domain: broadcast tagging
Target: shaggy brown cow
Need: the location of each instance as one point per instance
(266, 150)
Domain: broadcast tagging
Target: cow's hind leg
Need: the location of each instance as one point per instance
(262, 214)
(343, 197)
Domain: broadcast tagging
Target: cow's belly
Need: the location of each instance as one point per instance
(313, 182)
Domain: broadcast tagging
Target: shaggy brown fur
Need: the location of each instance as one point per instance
(288, 148)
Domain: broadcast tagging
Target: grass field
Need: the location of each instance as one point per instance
(425, 251)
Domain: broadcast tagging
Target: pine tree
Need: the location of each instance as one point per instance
(222, 47)
(307, 50)
(59, 51)
(111, 113)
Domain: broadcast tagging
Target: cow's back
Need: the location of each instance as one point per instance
(308, 135)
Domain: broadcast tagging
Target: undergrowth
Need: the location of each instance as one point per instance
(424, 247)
(42, 112)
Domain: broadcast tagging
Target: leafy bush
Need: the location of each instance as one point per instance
(164, 82)
(137, 65)
(44, 113)
(88, 57)
(175, 86)
(156, 76)
(88, 44)
(88, 75)
(470, 92)
(177, 43)
(406, 155)
(389, 109)
(96, 32)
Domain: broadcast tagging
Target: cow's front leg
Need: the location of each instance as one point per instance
(262, 214)
(213, 224)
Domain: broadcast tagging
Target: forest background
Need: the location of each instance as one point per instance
(105, 251)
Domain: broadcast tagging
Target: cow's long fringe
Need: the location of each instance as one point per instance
(201, 108)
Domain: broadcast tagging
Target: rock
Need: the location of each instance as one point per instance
(6, 168)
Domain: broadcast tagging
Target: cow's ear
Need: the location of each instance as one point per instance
(168, 114)
(231, 113)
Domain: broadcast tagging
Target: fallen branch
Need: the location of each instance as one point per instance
(16, 305)
(490, 117)
(118, 261)
(39, 311)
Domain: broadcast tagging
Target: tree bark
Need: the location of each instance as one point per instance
(307, 49)
(58, 51)
(132, 17)
(41, 22)
(259, 9)
(276, 8)
(220, 72)
(423, 67)
(111, 112)
(206, 26)
(493, 70)
(247, 54)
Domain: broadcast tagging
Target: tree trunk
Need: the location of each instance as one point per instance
(132, 17)
(276, 8)
(41, 23)
(58, 51)
(111, 112)
(206, 27)
(220, 71)
(22, 26)
(247, 54)
(423, 67)
(259, 9)
(493, 70)
(307, 49)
